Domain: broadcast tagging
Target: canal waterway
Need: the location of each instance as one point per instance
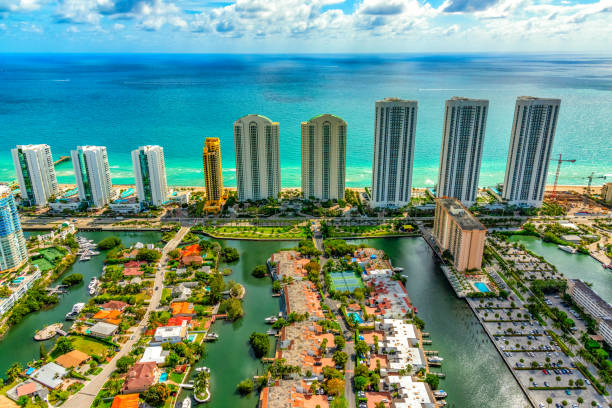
(230, 358)
(18, 344)
(573, 266)
(476, 375)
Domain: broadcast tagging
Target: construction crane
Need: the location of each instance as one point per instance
(559, 161)
(590, 178)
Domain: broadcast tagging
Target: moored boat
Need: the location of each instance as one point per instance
(568, 249)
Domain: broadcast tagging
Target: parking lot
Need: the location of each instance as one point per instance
(536, 360)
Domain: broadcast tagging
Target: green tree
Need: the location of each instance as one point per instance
(157, 394)
(232, 307)
(124, 364)
(148, 255)
(72, 279)
(260, 271)
(43, 352)
(360, 382)
(23, 400)
(260, 343)
(339, 342)
(108, 243)
(340, 358)
(229, 255)
(245, 387)
(13, 372)
(361, 348)
(433, 381)
(63, 345)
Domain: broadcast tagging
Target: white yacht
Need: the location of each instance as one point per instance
(435, 359)
(76, 309)
(186, 403)
(271, 319)
(567, 248)
(440, 394)
(93, 286)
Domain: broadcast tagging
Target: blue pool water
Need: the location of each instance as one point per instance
(356, 316)
(482, 287)
(127, 193)
(163, 377)
(192, 337)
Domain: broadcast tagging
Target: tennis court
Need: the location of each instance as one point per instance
(346, 281)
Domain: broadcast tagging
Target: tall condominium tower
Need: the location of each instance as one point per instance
(394, 134)
(13, 252)
(213, 175)
(324, 157)
(92, 175)
(150, 175)
(257, 157)
(35, 173)
(533, 131)
(463, 135)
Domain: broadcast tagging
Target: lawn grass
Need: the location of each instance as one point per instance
(89, 346)
(293, 232)
(176, 377)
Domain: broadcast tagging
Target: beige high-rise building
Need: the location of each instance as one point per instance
(606, 193)
(465, 121)
(213, 176)
(457, 230)
(256, 141)
(324, 157)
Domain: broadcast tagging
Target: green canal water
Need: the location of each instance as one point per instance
(230, 359)
(476, 375)
(573, 266)
(18, 344)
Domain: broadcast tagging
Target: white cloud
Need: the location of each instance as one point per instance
(19, 5)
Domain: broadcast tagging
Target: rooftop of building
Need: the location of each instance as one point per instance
(125, 401)
(537, 99)
(590, 293)
(324, 115)
(395, 99)
(463, 98)
(460, 213)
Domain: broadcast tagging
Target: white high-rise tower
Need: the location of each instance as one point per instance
(13, 252)
(256, 141)
(324, 157)
(92, 175)
(394, 134)
(533, 131)
(35, 173)
(150, 175)
(461, 153)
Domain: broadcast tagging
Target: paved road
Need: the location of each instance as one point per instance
(349, 349)
(85, 397)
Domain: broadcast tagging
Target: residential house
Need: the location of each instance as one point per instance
(140, 377)
(50, 375)
(103, 330)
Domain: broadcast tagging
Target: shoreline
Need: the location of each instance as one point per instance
(595, 189)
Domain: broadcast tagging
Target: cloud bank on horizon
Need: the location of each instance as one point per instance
(305, 26)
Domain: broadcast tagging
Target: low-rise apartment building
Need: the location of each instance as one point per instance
(457, 230)
(22, 286)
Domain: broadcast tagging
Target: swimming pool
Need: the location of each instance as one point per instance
(163, 377)
(482, 287)
(191, 338)
(355, 316)
(127, 193)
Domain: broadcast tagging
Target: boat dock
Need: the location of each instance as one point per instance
(49, 332)
(58, 290)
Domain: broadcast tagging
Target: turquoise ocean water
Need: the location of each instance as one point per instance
(123, 101)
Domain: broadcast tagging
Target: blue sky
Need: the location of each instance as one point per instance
(305, 26)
